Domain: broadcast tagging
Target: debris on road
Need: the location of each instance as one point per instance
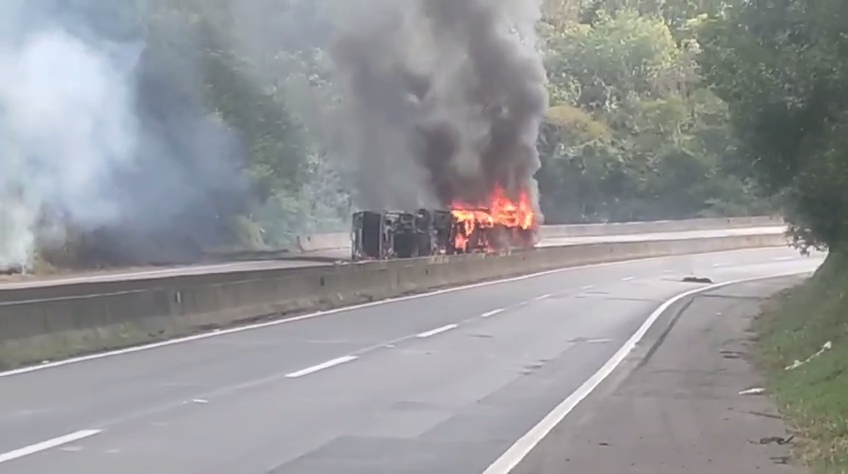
(826, 347)
(694, 279)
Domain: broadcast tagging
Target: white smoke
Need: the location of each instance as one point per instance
(66, 121)
(100, 131)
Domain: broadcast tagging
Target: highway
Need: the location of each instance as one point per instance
(439, 383)
(340, 255)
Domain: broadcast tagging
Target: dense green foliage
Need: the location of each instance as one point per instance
(632, 133)
(251, 62)
(807, 324)
(782, 67)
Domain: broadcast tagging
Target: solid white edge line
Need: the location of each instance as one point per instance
(446, 327)
(322, 366)
(543, 297)
(277, 322)
(45, 445)
(518, 451)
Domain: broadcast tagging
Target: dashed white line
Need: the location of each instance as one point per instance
(628, 279)
(543, 297)
(45, 445)
(722, 264)
(321, 366)
(587, 287)
(783, 259)
(440, 330)
(491, 313)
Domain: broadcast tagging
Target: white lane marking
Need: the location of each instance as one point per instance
(278, 322)
(587, 287)
(518, 451)
(543, 297)
(722, 264)
(491, 313)
(45, 445)
(446, 327)
(783, 259)
(321, 366)
(628, 279)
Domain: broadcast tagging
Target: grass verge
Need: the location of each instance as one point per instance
(813, 397)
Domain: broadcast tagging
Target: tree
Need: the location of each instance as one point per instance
(631, 133)
(781, 67)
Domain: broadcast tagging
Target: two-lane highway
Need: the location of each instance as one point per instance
(444, 382)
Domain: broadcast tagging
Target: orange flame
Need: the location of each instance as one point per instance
(474, 221)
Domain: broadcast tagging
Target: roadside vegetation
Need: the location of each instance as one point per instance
(802, 347)
(781, 66)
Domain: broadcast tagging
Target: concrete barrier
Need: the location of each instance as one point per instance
(53, 322)
(655, 227)
(341, 240)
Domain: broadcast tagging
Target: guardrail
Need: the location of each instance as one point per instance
(41, 323)
(341, 240)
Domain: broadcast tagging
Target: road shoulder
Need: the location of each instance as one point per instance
(675, 404)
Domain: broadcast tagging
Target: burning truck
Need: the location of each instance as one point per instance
(500, 225)
(503, 224)
(442, 103)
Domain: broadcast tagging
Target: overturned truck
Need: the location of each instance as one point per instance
(383, 235)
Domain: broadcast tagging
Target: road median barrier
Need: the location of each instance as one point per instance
(341, 240)
(657, 227)
(53, 322)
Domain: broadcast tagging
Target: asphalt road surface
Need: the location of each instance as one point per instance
(439, 383)
(341, 255)
(679, 406)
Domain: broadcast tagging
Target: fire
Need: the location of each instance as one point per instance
(500, 224)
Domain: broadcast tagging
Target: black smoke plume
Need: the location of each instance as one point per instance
(443, 99)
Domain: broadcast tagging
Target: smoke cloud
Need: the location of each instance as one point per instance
(105, 136)
(443, 99)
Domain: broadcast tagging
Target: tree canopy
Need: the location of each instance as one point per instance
(781, 66)
(632, 133)
(658, 109)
